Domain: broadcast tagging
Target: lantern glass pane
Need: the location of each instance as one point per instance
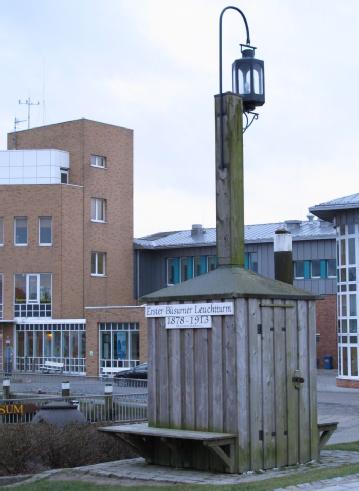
(257, 79)
(244, 81)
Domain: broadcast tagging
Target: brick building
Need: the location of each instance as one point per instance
(66, 254)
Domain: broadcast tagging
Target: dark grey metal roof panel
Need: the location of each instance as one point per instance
(326, 211)
(228, 282)
(306, 230)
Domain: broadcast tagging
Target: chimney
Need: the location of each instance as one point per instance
(293, 224)
(197, 231)
(283, 256)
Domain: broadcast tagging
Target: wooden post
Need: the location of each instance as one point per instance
(65, 389)
(6, 389)
(108, 401)
(229, 181)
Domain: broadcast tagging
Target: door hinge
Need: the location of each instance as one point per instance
(260, 434)
(259, 329)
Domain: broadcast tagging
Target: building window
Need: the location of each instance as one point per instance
(315, 268)
(251, 261)
(331, 268)
(20, 231)
(98, 210)
(45, 231)
(1, 231)
(119, 344)
(64, 175)
(98, 161)
(32, 295)
(98, 263)
(211, 263)
(186, 268)
(173, 270)
(63, 343)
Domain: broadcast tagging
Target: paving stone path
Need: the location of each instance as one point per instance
(137, 472)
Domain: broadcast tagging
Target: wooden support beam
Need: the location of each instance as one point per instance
(325, 431)
(227, 459)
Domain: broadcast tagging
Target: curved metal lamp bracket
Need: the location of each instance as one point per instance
(248, 42)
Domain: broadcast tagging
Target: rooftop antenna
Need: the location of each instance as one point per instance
(29, 103)
(16, 124)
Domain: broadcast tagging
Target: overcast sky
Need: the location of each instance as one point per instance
(152, 65)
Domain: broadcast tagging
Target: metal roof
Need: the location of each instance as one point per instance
(300, 230)
(228, 282)
(326, 211)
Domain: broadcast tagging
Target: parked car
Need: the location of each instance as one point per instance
(139, 371)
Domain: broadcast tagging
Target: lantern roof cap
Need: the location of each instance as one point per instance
(229, 282)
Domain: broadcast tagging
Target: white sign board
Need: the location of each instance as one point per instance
(189, 315)
(168, 310)
(189, 321)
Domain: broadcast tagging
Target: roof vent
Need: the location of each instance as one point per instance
(310, 217)
(197, 230)
(293, 224)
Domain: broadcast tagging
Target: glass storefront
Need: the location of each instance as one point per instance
(119, 344)
(347, 300)
(59, 342)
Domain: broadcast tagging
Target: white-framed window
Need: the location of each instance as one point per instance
(98, 263)
(98, 210)
(32, 288)
(98, 161)
(45, 231)
(1, 231)
(20, 231)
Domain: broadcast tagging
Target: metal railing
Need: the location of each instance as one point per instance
(122, 408)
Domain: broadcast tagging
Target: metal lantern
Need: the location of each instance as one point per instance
(248, 78)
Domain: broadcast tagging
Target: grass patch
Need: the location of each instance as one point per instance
(263, 485)
(349, 447)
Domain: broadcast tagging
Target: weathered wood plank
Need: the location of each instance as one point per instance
(174, 385)
(152, 383)
(163, 385)
(268, 386)
(189, 420)
(304, 416)
(255, 384)
(201, 378)
(312, 351)
(281, 422)
(242, 347)
(230, 375)
(216, 423)
(291, 325)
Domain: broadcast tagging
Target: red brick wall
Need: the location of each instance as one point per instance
(326, 327)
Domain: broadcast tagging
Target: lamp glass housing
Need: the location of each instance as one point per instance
(248, 79)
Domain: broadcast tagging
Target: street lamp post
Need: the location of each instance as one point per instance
(247, 93)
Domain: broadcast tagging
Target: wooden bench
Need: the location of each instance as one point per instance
(325, 431)
(52, 366)
(139, 436)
